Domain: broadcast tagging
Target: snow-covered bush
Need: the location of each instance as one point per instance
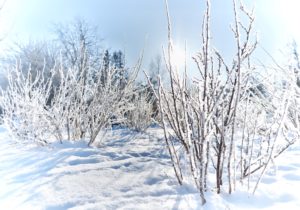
(140, 117)
(266, 129)
(109, 100)
(227, 121)
(24, 104)
(85, 102)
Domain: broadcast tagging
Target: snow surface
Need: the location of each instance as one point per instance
(128, 171)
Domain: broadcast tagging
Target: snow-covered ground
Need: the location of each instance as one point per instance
(126, 172)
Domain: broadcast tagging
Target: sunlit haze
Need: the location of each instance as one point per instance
(133, 25)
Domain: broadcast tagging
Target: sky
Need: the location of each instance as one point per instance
(134, 25)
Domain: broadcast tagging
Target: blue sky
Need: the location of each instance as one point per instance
(132, 24)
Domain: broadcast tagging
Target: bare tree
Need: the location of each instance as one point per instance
(80, 44)
(81, 52)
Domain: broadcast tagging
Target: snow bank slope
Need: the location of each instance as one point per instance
(124, 173)
(278, 190)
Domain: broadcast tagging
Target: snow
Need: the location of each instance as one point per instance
(127, 171)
